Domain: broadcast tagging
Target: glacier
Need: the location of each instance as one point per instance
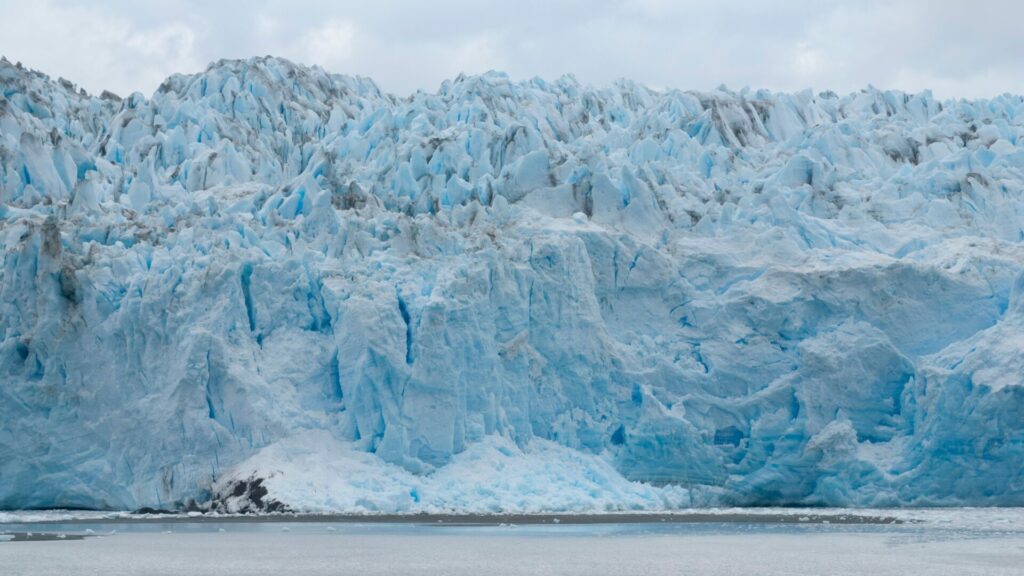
(506, 296)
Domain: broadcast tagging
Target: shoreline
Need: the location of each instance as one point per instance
(496, 519)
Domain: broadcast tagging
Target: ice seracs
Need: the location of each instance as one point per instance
(268, 272)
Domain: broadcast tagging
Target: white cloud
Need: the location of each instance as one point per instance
(808, 60)
(171, 44)
(266, 25)
(329, 44)
(475, 55)
(98, 49)
(957, 48)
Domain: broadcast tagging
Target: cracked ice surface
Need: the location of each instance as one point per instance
(737, 298)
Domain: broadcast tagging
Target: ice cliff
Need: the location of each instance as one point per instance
(506, 295)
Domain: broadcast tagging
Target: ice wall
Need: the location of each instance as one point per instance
(753, 297)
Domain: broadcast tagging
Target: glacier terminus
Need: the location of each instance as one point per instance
(269, 287)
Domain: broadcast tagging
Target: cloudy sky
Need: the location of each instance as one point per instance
(954, 47)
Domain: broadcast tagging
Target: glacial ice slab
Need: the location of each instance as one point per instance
(268, 272)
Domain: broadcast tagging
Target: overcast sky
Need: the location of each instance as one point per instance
(956, 48)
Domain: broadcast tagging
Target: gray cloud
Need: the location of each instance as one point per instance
(956, 48)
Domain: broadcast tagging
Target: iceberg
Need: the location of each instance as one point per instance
(271, 287)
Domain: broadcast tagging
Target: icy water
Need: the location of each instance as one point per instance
(961, 542)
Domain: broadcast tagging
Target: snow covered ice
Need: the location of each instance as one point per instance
(270, 284)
